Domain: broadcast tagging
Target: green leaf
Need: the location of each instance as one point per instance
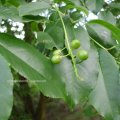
(0, 19)
(46, 39)
(88, 73)
(33, 8)
(75, 15)
(54, 16)
(76, 2)
(9, 13)
(14, 2)
(89, 111)
(3, 1)
(112, 28)
(31, 18)
(107, 16)
(34, 26)
(80, 8)
(57, 33)
(31, 64)
(115, 8)
(105, 95)
(115, 5)
(94, 5)
(6, 90)
(101, 34)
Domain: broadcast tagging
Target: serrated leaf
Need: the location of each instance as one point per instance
(6, 90)
(31, 64)
(104, 96)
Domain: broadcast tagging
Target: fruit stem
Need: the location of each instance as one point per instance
(63, 49)
(102, 46)
(98, 43)
(112, 47)
(65, 55)
(68, 45)
(80, 61)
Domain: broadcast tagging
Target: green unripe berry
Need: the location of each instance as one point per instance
(75, 44)
(57, 52)
(56, 59)
(82, 54)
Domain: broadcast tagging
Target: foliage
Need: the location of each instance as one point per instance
(58, 31)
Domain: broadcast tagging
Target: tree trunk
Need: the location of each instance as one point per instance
(41, 111)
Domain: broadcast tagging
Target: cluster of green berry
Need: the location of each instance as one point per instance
(75, 44)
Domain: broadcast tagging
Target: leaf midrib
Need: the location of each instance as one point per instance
(24, 62)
